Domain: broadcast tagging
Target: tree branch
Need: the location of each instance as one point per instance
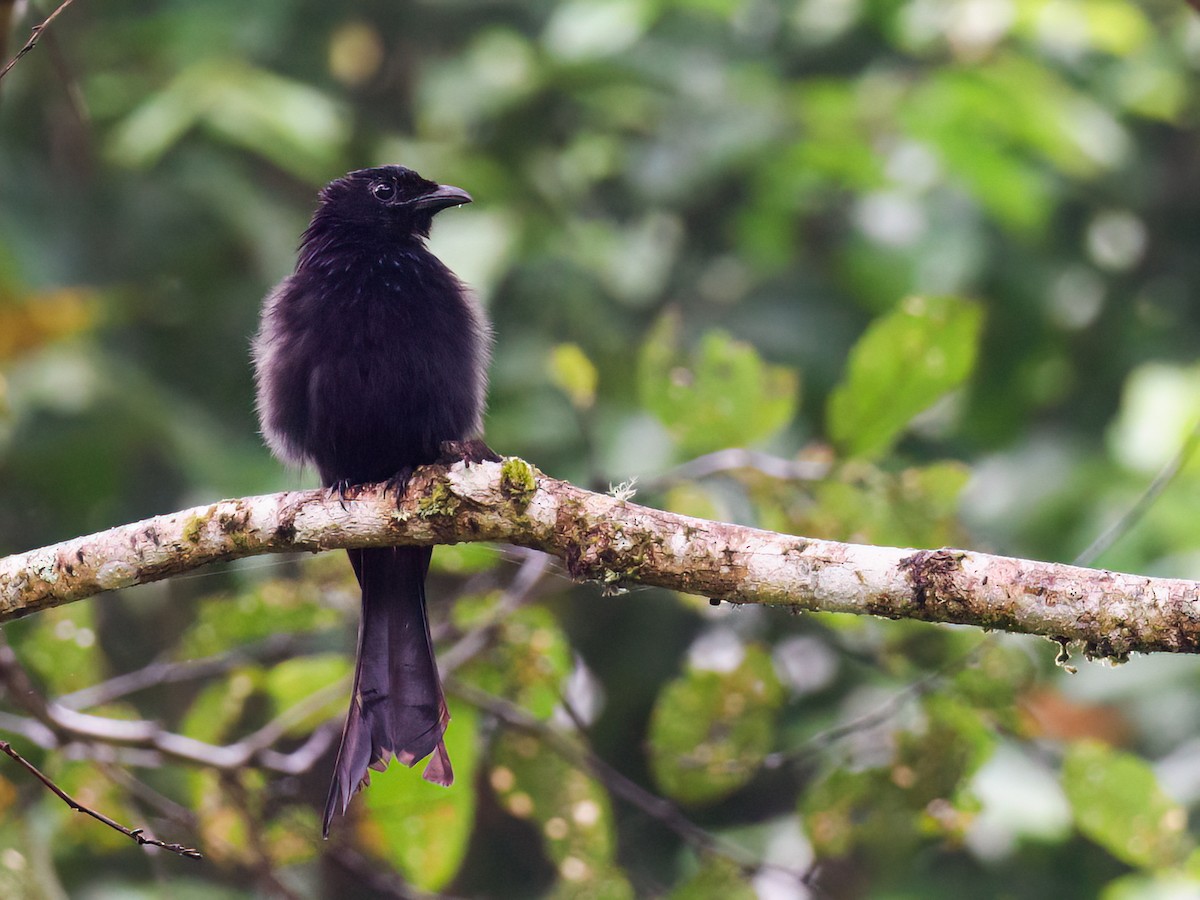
(136, 834)
(614, 542)
(34, 36)
(51, 724)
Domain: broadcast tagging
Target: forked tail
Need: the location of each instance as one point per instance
(397, 707)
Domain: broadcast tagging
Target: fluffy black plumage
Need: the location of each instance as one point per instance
(368, 357)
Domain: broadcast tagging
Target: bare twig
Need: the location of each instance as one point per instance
(137, 834)
(148, 796)
(304, 757)
(34, 36)
(54, 725)
(736, 459)
(275, 647)
(658, 808)
(914, 690)
(515, 595)
(1143, 503)
(254, 743)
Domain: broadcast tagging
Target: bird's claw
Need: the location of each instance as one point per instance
(398, 483)
(472, 451)
(342, 489)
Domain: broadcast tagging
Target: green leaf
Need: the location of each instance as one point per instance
(904, 362)
(607, 883)
(1118, 803)
(574, 374)
(291, 124)
(839, 145)
(848, 809)
(465, 559)
(267, 609)
(59, 647)
(421, 828)
(221, 703)
(224, 826)
(1158, 886)
(721, 395)
(953, 745)
(1001, 129)
(995, 681)
(718, 878)
(710, 731)
(295, 681)
(691, 498)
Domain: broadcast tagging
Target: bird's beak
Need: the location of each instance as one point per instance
(442, 197)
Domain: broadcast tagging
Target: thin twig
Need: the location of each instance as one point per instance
(473, 642)
(1143, 503)
(914, 690)
(138, 789)
(304, 757)
(257, 741)
(61, 725)
(619, 785)
(137, 834)
(34, 36)
(739, 458)
(159, 672)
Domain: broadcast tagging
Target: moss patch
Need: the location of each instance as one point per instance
(193, 528)
(440, 501)
(517, 481)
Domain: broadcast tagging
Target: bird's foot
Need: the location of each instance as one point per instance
(398, 483)
(469, 451)
(343, 490)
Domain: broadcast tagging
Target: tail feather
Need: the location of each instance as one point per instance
(397, 707)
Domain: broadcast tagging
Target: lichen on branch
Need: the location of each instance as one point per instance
(614, 542)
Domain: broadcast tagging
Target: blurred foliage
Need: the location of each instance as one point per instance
(570, 810)
(711, 730)
(904, 362)
(528, 660)
(1118, 804)
(944, 250)
(724, 397)
(419, 827)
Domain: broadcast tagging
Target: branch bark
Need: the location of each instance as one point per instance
(615, 542)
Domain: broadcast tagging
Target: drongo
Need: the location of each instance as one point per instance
(370, 357)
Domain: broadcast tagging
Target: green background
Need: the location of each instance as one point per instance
(939, 255)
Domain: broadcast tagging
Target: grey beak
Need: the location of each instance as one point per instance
(442, 197)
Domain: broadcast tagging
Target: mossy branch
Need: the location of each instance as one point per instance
(611, 541)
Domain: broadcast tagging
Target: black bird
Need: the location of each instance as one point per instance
(368, 358)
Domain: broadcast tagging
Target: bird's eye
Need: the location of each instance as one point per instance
(383, 192)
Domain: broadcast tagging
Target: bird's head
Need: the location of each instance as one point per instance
(389, 197)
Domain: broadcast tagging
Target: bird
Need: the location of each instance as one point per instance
(371, 360)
